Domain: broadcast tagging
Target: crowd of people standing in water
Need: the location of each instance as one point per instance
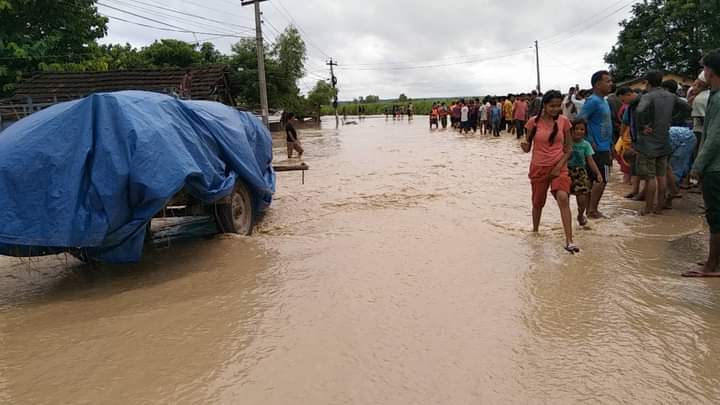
(492, 115)
(664, 138)
(399, 112)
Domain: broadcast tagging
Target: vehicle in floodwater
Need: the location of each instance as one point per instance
(88, 176)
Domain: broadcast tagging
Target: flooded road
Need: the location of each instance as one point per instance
(402, 272)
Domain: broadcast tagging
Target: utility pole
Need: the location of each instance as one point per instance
(537, 64)
(333, 80)
(261, 60)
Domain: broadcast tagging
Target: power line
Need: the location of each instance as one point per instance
(292, 21)
(448, 58)
(155, 13)
(217, 35)
(585, 27)
(175, 27)
(243, 27)
(440, 65)
(222, 12)
(140, 16)
(316, 66)
(277, 31)
(561, 63)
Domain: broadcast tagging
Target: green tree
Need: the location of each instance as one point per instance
(288, 66)
(243, 61)
(171, 53)
(665, 34)
(41, 33)
(284, 66)
(123, 57)
(322, 94)
(402, 98)
(290, 51)
(372, 99)
(208, 53)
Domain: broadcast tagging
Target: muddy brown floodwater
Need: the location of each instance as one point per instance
(402, 272)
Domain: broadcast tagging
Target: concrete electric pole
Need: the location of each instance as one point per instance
(333, 81)
(261, 60)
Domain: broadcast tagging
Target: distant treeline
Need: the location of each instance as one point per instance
(422, 107)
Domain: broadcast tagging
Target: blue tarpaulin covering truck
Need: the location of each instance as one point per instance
(88, 176)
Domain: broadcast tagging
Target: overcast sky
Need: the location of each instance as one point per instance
(423, 48)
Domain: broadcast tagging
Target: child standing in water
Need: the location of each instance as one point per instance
(582, 158)
(551, 145)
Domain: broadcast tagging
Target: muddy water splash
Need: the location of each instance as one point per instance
(401, 272)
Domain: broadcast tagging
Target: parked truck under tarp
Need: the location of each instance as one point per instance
(89, 175)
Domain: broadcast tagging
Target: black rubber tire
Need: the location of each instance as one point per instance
(236, 214)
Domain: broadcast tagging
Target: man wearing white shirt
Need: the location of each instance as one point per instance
(464, 117)
(568, 109)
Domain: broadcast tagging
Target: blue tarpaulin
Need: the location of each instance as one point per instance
(91, 173)
(683, 142)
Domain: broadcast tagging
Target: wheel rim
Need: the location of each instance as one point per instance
(241, 210)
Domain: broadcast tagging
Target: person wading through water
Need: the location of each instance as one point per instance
(293, 143)
(550, 141)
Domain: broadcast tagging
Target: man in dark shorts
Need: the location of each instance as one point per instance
(707, 166)
(655, 113)
(596, 111)
(293, 143)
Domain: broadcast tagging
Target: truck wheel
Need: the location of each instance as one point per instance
(234, 214)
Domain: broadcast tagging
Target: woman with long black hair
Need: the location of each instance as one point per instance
(548, 137)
